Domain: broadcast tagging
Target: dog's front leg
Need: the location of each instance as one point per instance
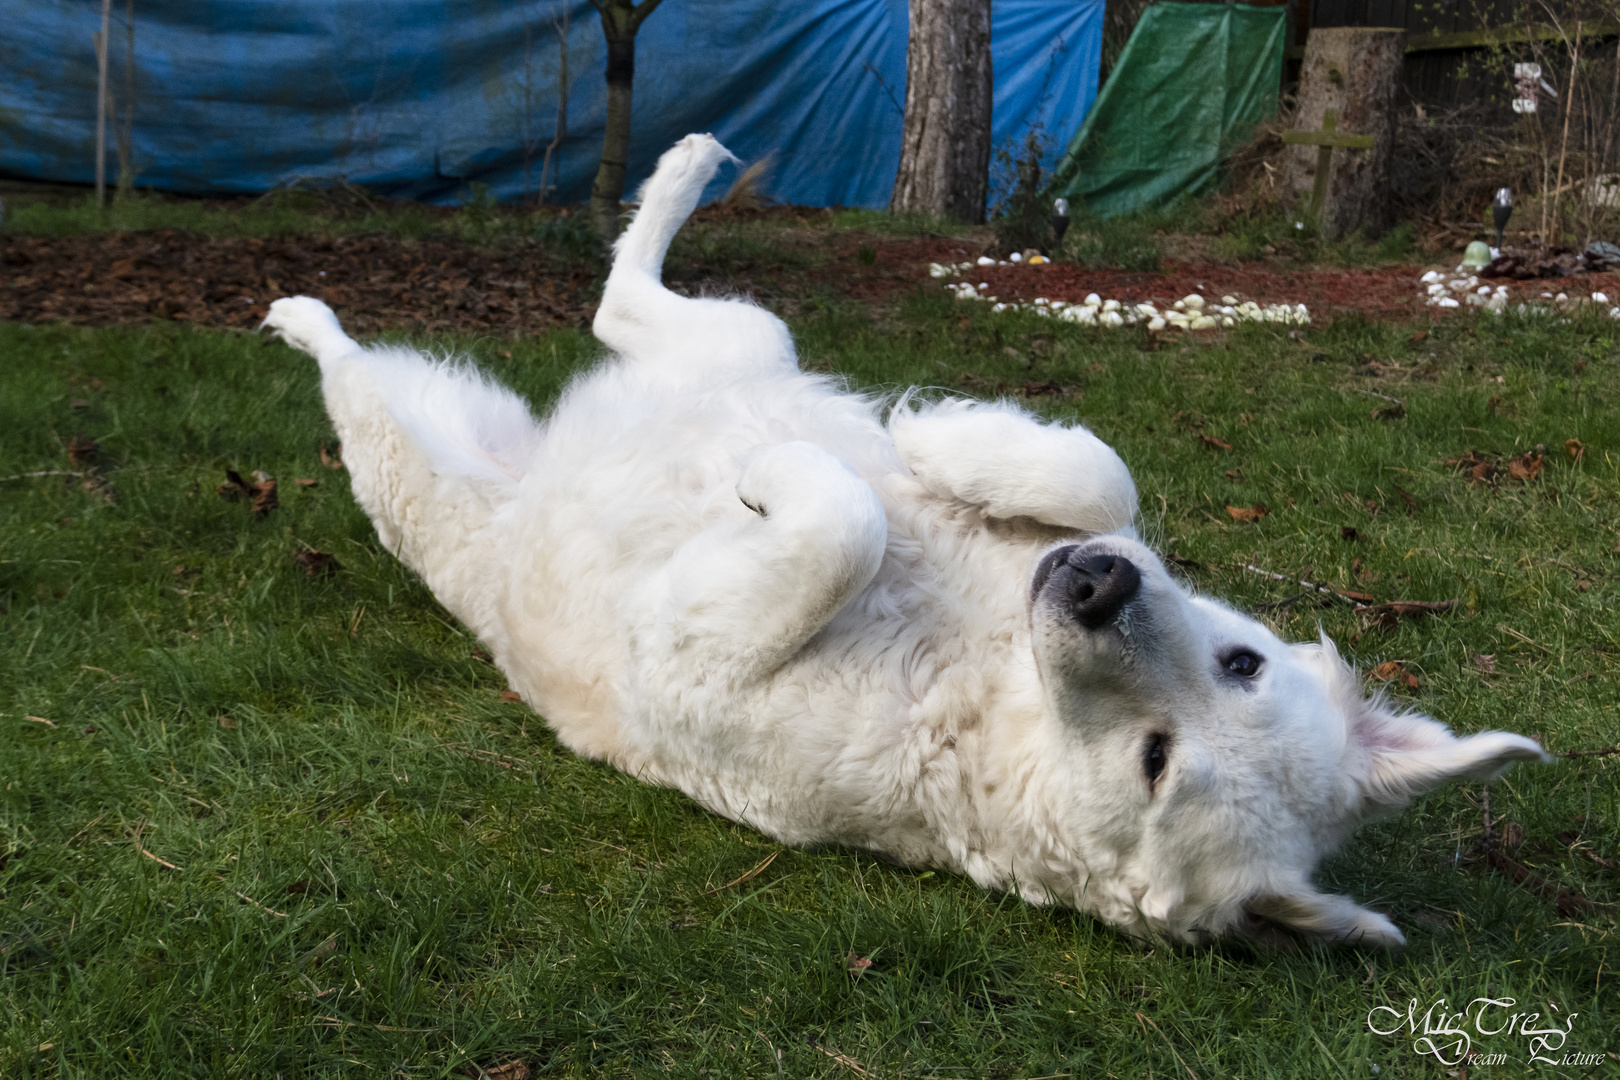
(1010, 464)
(738, 600)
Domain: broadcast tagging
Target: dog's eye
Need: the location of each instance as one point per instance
(1153, 759)
(1243, 663)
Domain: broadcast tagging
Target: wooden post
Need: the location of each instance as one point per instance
(1351, 73)
(1325, 141)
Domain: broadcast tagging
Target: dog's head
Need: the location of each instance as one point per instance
(1219, 764)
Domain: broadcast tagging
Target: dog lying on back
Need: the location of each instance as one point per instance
(933, 635)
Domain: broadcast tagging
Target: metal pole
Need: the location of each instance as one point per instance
(101, 103)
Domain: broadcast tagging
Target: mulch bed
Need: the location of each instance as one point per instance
(373, 282)
(376, 283)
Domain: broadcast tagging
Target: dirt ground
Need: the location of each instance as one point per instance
(436, 285)
(381, 283)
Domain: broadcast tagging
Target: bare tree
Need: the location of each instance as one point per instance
(620, 21)
(945, 140)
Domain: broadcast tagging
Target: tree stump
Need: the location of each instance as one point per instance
(1347, 88)
(945, 138)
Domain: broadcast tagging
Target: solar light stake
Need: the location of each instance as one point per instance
(1060, 224)
(1501, 210)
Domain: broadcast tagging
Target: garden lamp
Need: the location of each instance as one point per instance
(1060, 224)
(1501, 210)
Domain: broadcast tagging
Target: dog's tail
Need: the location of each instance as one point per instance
(683, 336)
(667, 200)
(433, 449)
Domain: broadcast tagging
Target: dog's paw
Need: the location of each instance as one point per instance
(305, 323)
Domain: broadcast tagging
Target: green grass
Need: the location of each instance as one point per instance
(379, 868)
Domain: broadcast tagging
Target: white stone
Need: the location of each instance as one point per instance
(1432, 275)
(1446, 301)
(1016, 257)
(985, 260)
(1156, 323)
(1600, 298)
(1194, 301)
(1110, 305)
(1093, 300)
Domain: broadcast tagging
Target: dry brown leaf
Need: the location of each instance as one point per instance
(1349, 532)
(856, 963)
(1418, 338)
(333, 460)
(511, 696)
(1485, 663)
(1234, 474)
(305, 481)
(317, 563)
(1574, 448)
(1247, 513)
(261, 490)
(1215, 444)
(1526, 467)
(1044, 389)
(1412, 505)
(1394, 671)
(512, 1070)
(82, 451)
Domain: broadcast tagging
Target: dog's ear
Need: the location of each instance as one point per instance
(1305, 916)
(1392, 755)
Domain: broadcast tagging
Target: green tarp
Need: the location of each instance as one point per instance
(1189, 87)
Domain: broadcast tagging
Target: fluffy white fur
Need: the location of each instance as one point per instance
(728, 576)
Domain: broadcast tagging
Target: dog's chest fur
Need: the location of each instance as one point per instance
(917, 701)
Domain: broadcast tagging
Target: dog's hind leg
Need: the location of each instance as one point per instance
(434, 451)
(641, 320)
(738, 600)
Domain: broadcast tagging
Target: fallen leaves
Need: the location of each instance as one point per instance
(334, 459)
(1349, 532)
(261, 491)
(1215, 444)
(856, 963)
(511, 1070)
(1395, 671)
(1247, 513)
(82, 451)
(511, 696)
(1483, 468)
(1575, 449)
(317, 563)
(1484, 663)
(1526, 467)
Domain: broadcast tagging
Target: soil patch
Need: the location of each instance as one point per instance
(431, 285)
(373, 282)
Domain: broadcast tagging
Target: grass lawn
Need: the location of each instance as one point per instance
(257, 823)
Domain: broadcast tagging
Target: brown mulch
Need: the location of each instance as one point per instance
(373, 282)
(376, 283)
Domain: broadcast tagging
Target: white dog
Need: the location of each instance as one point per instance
(935, 637)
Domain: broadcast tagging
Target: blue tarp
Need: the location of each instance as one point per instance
(423, 98)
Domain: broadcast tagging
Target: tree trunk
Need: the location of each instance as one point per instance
(945, 142)
(620, 21)
(1355, 72)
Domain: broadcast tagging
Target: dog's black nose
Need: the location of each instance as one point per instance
(1099, 586)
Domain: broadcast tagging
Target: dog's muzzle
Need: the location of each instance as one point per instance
(1094, 587)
